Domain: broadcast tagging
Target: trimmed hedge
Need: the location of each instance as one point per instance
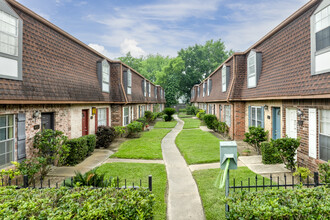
(78, 150)
(104, 136)
(270, 154)
(310, 203)
(91, 142)
(75, 203)
(211, 121)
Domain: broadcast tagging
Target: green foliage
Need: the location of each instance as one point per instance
(324, 170)
(143, 120)
(75, 203)
(134, 127)
(223, 128)
(7, 174)
(165, 124)
(91, 178)
(133, 62)
(91, 142)
(287, 147)
(104, 136)
(50, 145)
(78, 150)
(168, 114)
(120, 130)
(149, 116)
(200, 114)
(182, 110)
(191, 110)
(270, 154)
(30, 167)
(255, 136)
(304, 172)
(310, 203)
(211, 121)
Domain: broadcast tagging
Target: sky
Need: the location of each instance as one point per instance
(142, 27)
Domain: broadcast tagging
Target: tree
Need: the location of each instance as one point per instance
(201, 61)
(133, 62)
(151, 64)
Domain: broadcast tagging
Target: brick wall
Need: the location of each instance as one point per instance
(116, 115)
(239, 121)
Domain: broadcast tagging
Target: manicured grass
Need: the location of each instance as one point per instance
(191, 123)
(198, 146)
(133, 172)
(167, 124)
(184, 115)
(211, 196)
(148, 146)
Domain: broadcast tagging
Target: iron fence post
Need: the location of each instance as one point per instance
(25, 181)
(316, 179)
(150, 183)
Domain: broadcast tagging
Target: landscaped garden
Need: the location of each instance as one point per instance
(198, 146)
(148, 146)
(165, 124)
(191, 123)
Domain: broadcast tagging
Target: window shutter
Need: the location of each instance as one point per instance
(262, 117)
(125, 80)
(142, 86)
(249, 116)
(227, 76)
(21, 150)
(96, 120)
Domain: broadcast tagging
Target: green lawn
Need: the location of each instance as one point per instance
(133, 172)
(191, 123)
(167, 124)
(148, 146)
(198, 146)
(211, 196)
(184, 115)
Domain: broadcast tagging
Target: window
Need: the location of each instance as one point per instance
(227, 114)
(320, 38)
(204, 89)
(161, 93)
(252, 69)
(102, 117)
(6, 139)
(126, 116)
(156, 92)
(129, 82)
(324, 135)
(105, 71)
(149, 89)
(209, 86)
(256, 116)
(193, 93)
(145, 87)
(224, 79)
(10, 44)
(198, 91)
(210, 109)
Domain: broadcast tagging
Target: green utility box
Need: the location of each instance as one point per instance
(228, 150)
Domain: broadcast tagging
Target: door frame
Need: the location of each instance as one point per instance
(87, 122)
(274, 117)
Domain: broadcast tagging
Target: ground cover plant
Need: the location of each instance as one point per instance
(165, 124)
(191, 123)
(75, 203)
(198, 146)
(214, 206)
(133, 172)
(148, 146)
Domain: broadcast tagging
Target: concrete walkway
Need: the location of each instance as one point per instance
(183, 200)
(207, 166)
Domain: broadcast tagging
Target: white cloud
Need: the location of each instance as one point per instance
(131, 45)
(101, 49)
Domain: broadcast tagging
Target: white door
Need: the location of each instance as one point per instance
(291, 124)
(312, 132)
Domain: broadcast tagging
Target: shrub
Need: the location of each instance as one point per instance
(91, 178)
(7, 174)
(168, 114)
(211, 121)
(223, 127)
(134, 127)
(143, 120)
(120, 130)
(182, 110)
(30, 167)
(91, 142)
(104, 136)
(287, 147)
(304, 172)
(191, 110)
(310, 203)
(255, 136)
(75, 203)
(50, 145)
(160, 114)
(324, 170)
(148, 115)
(270, 154)
(200, 114)
(78, 150)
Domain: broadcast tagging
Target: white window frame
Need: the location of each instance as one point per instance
(105, 76)
(145, 88)
(323, 120)
(126, 118)
(210, 109)
(204, 89)
(252, 69)
(102, 117)
(149, 90)
(227, 115)
(255, 109)
(7, 140)
(224, 79)
(208, 87)
(129, 82)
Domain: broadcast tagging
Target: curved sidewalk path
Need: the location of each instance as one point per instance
(183, 200)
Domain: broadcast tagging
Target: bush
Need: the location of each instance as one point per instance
(120, 130)
(270, 154)
(182, 110)
(91, 178)
(191, 110)
(78, 150)
(255, 136)
(223, 127)
(91, 142)
(287, 147)
(134, 127)
(324, 170)
(168, 114)
(143, 120)
(75, 203)
(302, 172)
(30, 167)
(200, 114)
(148, 115)
(104, 136)
(211, 121)
(310, 203)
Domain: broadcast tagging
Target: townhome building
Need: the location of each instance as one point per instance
(51, 80)
(280, 83)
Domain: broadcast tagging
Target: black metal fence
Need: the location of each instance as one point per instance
(23, 182)
(275, 183)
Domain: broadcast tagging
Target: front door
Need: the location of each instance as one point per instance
(276, 123)
(291, 124)
(47, 121)
(84, 122)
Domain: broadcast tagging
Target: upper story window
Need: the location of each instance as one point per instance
(105, 76)
(144, 87)
(149, 89)
(10, 43)
(198, 91)
(209, 86)
(129, 82)
(320, 38)
(204, 89)
(253, 68)
(156, 92)
(224, 79)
